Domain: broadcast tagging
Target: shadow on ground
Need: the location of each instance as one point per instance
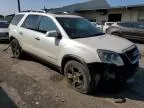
(132, 90)
(29, 57)
(5, 100)
(4, 42)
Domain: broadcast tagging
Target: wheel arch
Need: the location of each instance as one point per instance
(69, 57)
(11, 38)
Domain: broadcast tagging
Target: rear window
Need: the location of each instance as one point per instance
(4, 24)
(17, 19)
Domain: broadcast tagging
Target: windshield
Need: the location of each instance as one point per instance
(3, 25)
(79, 27)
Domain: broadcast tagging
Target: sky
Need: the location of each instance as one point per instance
(10, 6)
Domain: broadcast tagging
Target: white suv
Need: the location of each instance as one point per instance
(84, 54)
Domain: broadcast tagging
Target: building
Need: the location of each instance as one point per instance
(101, 11)
(91, 4)
(114, 14)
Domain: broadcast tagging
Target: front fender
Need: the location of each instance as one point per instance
(87, 55)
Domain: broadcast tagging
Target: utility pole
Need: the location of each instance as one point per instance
(19, 7)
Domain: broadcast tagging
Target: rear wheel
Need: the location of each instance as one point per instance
(16, 49)
(79, 77)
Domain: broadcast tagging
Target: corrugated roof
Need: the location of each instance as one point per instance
(90, 5)
(116, 7)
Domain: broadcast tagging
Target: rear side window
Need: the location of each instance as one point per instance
(125, 24)
(31, 22)
(17, 19)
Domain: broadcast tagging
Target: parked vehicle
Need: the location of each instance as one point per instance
(82, 52)
(4, 30)
(97, 25)
(107, 25)
(129, 30)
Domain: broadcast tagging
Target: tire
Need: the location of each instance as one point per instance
(78, 77)
(16, 49)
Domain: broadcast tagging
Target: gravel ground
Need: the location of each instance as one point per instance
(30, 83)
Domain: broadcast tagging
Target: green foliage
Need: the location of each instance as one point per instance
(1, 17)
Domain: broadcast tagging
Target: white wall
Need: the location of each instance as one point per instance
(141, 13)
(94, 15)
(127, 14)
(130, 15)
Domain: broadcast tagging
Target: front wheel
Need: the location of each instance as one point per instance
(78, 76)
(16, 49)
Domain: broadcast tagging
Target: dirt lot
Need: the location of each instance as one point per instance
(29, 83)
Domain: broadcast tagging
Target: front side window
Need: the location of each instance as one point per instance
(31, 22)
(17, 19)
(46, 24)
(78, 27)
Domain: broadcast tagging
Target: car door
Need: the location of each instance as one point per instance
(27, 33)
(48, 47)
(139, 30)
(127, 31)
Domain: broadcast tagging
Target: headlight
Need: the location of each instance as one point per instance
(110, 57)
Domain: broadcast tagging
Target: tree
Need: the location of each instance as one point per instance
(1, 17)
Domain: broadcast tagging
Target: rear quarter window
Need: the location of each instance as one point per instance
(17, 19)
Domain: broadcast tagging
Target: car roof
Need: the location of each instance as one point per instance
(50, 14)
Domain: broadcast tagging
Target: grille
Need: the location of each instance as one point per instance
(133, 55)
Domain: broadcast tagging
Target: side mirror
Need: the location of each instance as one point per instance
(53, 33)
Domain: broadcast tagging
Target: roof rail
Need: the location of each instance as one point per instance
(60, 12)
(44, 11)
(40, 11)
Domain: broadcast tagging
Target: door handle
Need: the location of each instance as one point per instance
(21, 33)
(37, 38)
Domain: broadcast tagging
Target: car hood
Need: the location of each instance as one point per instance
(3, 30)
(106, 42)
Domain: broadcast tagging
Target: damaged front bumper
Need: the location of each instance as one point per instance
(120, 73)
